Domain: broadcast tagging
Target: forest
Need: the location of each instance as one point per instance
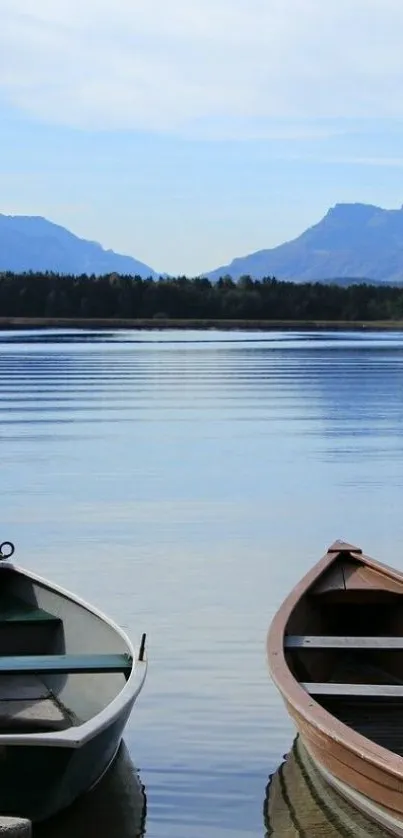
(33, 295)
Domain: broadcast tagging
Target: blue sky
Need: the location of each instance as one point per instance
(188, 133)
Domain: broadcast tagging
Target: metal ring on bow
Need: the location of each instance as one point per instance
(8, 547)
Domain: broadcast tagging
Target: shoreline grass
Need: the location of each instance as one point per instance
(197, 323)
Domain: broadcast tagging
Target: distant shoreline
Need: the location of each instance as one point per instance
(198, 324)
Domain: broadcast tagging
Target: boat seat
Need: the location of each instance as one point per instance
(354, 690)
(58, 664)
(16, 610)
(303, 641)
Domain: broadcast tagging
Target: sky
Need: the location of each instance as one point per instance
(191, 132)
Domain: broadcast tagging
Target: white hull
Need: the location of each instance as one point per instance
(60, 728)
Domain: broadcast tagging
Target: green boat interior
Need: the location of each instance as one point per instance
(59, 663)
(344, 644)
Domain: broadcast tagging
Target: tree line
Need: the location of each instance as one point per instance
(117, 296)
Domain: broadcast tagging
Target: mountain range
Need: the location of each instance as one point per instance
(32, 243)
(353, 242)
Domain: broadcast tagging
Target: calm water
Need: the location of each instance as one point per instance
(183, 482)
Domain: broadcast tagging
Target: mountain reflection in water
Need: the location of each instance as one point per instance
(115, 808)
(300, 804)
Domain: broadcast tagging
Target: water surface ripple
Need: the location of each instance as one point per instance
(183, 482)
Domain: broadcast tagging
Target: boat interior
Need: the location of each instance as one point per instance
(60, 664)
(344, 644)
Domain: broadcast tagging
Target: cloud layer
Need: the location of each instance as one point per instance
(205, 67)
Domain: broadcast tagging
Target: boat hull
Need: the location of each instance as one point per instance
(38, 781)
(300, 800)
(349, 768)
(358, 747)
(388, 819)
(49, 757)
(117, 805)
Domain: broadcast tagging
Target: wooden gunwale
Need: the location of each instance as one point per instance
(320, 742)
(347, 743)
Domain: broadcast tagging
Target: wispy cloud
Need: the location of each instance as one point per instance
(206, 67)
(346, 160)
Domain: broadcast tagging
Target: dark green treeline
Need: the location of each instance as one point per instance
(52, 295)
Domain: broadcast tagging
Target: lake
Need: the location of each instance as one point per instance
(183, 482)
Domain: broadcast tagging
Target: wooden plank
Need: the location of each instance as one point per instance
(354, 576)
(307, 641)
(331, 580)
(343, 547)
(364, 578)
(351, 690)
(40, 664)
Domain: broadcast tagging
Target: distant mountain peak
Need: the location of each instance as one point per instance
(352, 241)
(355, 210)
(356, 213)
(33, 243)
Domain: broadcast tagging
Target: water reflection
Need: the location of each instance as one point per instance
(115, 807)
(299, 803)
(183, 483)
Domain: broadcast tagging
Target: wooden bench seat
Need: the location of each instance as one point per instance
(58, 664)
(301, 641)
(354, 690)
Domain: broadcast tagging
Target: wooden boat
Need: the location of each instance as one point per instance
(68, 680)
(335, 651)
(300, 802)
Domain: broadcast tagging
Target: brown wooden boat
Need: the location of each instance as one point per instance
(335, 650)
(300, 803)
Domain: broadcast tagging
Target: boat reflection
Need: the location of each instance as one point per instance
(300, 804)
(115, 807)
